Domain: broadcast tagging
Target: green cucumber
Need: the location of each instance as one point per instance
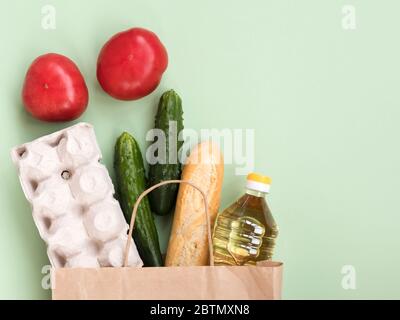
(131, 182)
(163, 199)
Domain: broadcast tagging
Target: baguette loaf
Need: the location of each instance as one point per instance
(188, 243)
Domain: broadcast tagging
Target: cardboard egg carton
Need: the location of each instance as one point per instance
(72, 201)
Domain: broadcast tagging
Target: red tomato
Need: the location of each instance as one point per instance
(131, 64)
(54, 89)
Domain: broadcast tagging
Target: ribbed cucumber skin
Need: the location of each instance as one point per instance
(162, 200)
(131, 182)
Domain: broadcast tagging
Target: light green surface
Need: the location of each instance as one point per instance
(325, 104)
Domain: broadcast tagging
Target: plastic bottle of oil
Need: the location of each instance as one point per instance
(245, 232)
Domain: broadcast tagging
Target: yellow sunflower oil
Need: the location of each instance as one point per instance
(245, 232)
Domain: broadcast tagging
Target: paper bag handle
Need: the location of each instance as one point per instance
(145, 193)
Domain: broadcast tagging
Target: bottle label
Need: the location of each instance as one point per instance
(245, 239)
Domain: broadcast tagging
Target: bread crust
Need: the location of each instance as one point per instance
(188, 243)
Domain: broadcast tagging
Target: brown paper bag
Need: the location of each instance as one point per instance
(263, 281)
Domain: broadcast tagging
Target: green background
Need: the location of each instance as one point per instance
(324, 103)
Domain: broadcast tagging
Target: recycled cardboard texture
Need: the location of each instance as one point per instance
(176, 283)
(72, 201)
